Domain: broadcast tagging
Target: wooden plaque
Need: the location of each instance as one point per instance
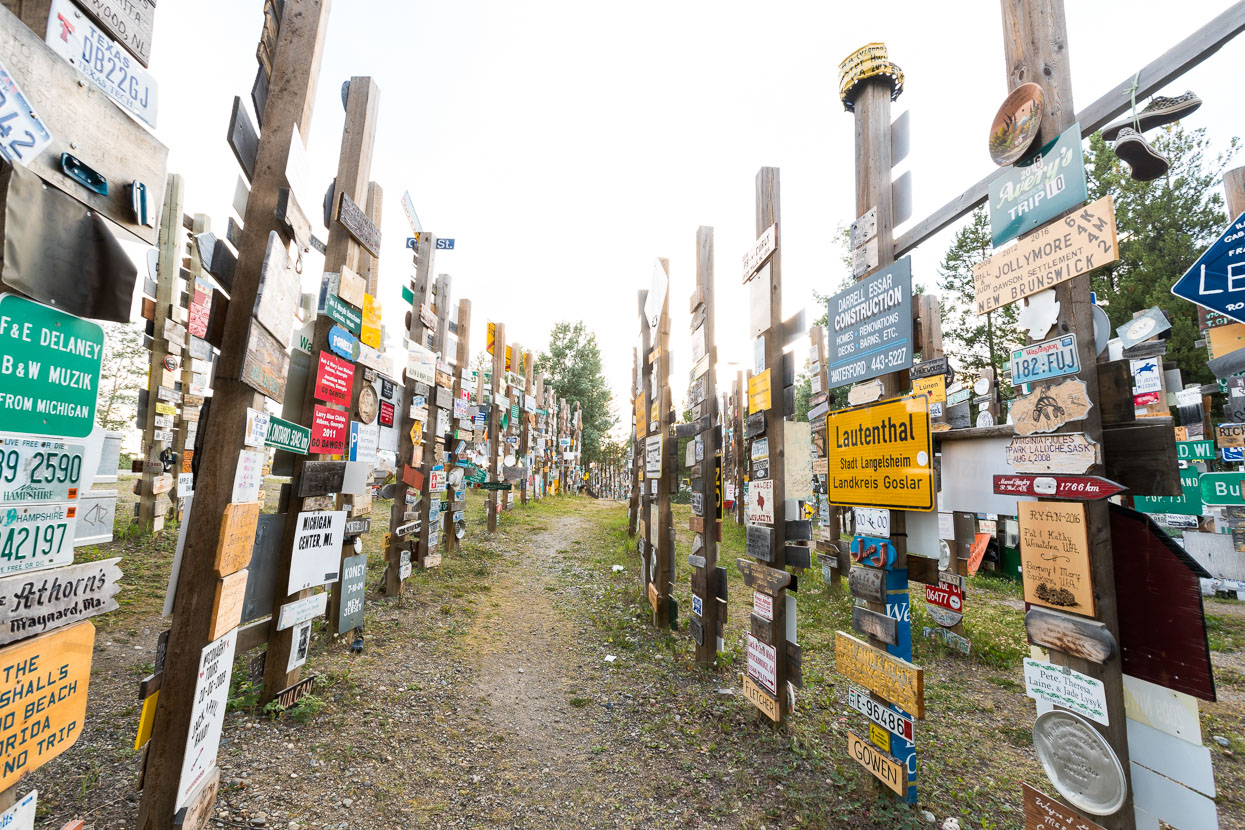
(1088, 639)
(867, 584)
(765, 579)
(266, 364)
(289, 696)
(883, 766)
(1045, 813)
(243, 138)
(357, 223)
(227, 605)
(1054, 556)
(761, 699)
(237, 538)
(321, 478)
(876, 625)
(351, 287)
(760, 543)
(891, 678)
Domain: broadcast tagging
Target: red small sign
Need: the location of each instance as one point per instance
(328, 431)
(334, 380)
(386, 414)
(945, 595)
(1079, 488)
(413, 477)
(1146, 399)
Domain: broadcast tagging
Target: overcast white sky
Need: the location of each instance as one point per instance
(565, 145)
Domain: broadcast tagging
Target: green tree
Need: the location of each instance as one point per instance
(1164, 226)
(573, 365)
(124, 372)
(976, 340)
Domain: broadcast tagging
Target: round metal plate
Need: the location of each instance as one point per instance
(369, 404)
(1016, 125)
(1079, 762)
(460, 529)
(944, 555)
(1102, 329)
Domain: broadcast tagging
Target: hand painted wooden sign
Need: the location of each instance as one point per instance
(760, 252)
(1087, 639)
(876, 553)
(867, 584)
(1045, 813)
(266, 364)
(1079, 488)
(357, 223)
(49, 369)
(1051, 406)
(1054, 553)
(896, 680)
(334, 380)
(883, 766)
(1064, 452)
(1053, 254)
(37, 603)
(873, 624)
(32, 734)
(227, 603)
(765, 579)
(761, 699)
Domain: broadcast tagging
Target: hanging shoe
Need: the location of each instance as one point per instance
(1147, 163)
(1161, 110)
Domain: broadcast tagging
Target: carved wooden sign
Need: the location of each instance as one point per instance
(1087, 639)
(34, 603)
(896, 680)
(1045, 813)
(765, 579)
(1050, 406)
(881, 764)
(867, 584)
(874, 624)
(357, 223)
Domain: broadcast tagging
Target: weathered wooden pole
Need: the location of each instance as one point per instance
(706, 624)
(495, 440)
(457, 495)
(1035, 41)
(295, 70)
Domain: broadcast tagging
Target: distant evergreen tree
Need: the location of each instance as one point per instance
(573, 365)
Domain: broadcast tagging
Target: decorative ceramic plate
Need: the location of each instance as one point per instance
(1016, 124)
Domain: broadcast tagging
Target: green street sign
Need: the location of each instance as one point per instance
(496, 485)
(1195, 450)
(1028, 195)
(1188, 503)
(344, 314)
(408, 294)
(287, 436)
(1222, 488)
(49, 369)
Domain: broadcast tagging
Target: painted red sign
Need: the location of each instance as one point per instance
(328, 430)
(945, 595)
(1080, 488)
(386, 414)
(1145, 399)
(334, 379)
(200, 311)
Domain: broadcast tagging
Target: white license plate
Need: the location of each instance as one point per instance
(888, 719)
(36, 536)
(22, 135)
(1049, 359)
(33, 470)
(73, 36)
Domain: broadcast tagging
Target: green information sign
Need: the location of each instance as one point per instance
(349, 317)
(49, 369)
(1188, 503)
(1030, 195)
(1222, 488)
(496, 485)
(287, 436)
(1195, 450)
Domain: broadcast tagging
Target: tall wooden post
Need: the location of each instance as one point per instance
(707, 583)
(429, 535)
(739, 394)
(192, 402)
(525, 427)
(1035, 41)
(495, 439)
(342, 251)
(418, 334)
(457, 495)
(153, 506)
(662, 585)
(644, 426)
(828, 544)
(295, 70)
(633, 502)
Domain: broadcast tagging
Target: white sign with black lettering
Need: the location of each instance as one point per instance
(762, 664)
(872, 521)
(317, 549)
(207, 714)
(763, 605)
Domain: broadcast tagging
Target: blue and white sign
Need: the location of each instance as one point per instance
(1234, 454)
(1048, 359)
(1217, 280)
(364, 442)
(697, 606)
(411, 242)
(445, 244)
(871, 326)
(342, 343)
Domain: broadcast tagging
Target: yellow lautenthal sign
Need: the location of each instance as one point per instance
(881, 455)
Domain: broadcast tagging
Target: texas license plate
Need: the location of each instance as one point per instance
(73, 36)
(1048, 359)
(36, 536)
(34, 470)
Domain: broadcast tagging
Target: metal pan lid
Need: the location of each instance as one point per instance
(1079, 762)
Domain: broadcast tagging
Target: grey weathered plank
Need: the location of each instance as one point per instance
(243, 138)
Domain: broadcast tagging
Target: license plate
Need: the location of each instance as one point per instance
(889, 720)
(37, 536)
(34, 470)
(22, 135)
(1048, 359)
(88, 49)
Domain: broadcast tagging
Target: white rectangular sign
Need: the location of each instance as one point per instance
(299, 611)
(207, 714)
(36, 536)
(39, 470)
(762, 665)
(317, 549)
(256, 428)
(21, 816)
(872, 521)
(248, 476)
(760, 251)
(761, 502)
(1163, 709)
(1064, 687)
(763, 605)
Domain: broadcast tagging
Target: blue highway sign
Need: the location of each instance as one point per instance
(1217, 280)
